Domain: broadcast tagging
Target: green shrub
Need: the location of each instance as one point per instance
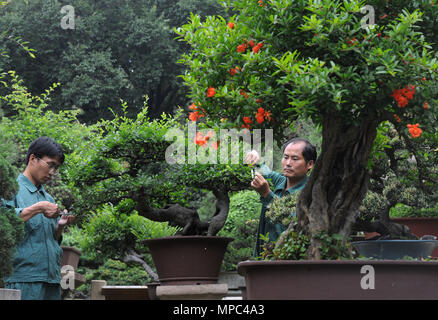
(242, 222)
(404, 211)
(11, 233)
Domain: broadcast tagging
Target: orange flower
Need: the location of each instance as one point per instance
(397, 118)
(261, 3)
(193, 107)
(211, 92)
(233, 71)
(268, 115)
(426, 105)
(383, 17)
(194, 116)
(259, 101)
(230, 25)
(251, 43)
(243, 93)
(414, 130)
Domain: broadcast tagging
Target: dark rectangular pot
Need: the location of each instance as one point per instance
(340, 280)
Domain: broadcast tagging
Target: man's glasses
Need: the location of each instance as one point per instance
(51, 166)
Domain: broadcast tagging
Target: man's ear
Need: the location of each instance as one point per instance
(310, 164)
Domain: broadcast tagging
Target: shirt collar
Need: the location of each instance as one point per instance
(298, 186)
(23, 180)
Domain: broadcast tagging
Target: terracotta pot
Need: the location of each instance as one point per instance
(183, 260)
(421, 227)
(70, 256)
(340, 280)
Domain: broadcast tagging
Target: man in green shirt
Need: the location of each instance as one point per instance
(37, 262)
(299, 156)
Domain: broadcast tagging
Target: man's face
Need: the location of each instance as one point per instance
(42, 169)
(293, 163)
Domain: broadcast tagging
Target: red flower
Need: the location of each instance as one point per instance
(402, 96)
(259, 100)
(268, 115)
(414, 130)
(241, 48)
(193, 107)
(397, 118)
(426, 105)
(243, 93)
(256, 48)
(200, 139)
(215, 144)
(211, 92)
(251, 43)
(230, 25)
(233, 71)
(247, 120)
(383, 17)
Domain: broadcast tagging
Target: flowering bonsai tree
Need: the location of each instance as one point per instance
(131, 160)
(349, 66)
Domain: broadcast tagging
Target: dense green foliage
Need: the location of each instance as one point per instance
(241, 225)
(117, 50)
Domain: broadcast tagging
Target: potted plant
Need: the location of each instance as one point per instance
(131, 162)
(344, 65)
(11, 227)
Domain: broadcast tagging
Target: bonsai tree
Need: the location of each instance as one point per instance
(403, 180)
(349, 66)
(128, 161)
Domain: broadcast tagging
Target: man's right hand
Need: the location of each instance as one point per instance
(50, 210)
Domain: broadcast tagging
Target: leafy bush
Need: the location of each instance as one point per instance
(110, 233)
(11, 233)
(403, 211)
(241, 225)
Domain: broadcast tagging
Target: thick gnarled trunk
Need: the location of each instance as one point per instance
(339, 181)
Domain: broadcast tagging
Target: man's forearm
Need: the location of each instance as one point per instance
(30, 212)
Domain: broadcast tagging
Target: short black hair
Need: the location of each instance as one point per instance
(309, 151)
(45, 146)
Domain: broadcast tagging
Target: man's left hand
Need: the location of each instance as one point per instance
(261, 185)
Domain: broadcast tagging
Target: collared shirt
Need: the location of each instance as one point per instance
(266, 226)
(38, 256)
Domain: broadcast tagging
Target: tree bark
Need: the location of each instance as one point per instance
(339, 181)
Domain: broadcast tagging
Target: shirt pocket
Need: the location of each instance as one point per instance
(34, 223)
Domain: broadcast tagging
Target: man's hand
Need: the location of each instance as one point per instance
(50, 210)
(252, 157)
(261, 185)
(66, 220)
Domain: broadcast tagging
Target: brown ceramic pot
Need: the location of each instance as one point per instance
(340, 280)
(181, 260)
(70, 256)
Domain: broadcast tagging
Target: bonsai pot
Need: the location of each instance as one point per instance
(70, 256)
(126, 292)
(340, 279)
(395, 249)
(420, 227)
(182, 260)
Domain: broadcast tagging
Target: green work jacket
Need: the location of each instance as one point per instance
(279, 182)
(38, 256)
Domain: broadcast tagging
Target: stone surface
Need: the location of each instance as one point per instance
(10, 294)
(192, 292)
